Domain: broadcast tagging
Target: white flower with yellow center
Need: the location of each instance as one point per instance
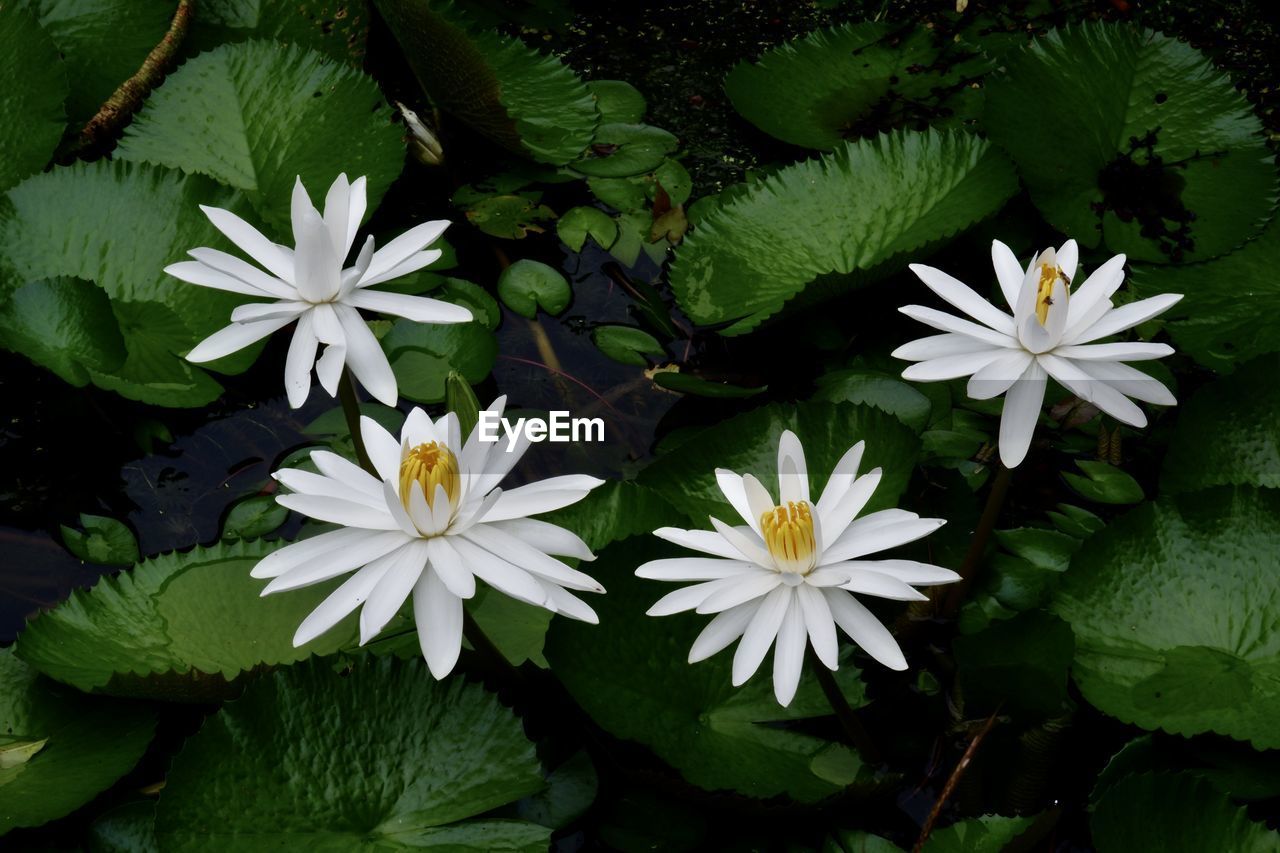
(430, 524)
(792, 571)
(1052, 333)
(309, 284)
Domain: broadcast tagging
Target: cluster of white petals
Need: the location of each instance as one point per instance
(430, 524)
(789, 575)
(1054, 331)
(308, 284)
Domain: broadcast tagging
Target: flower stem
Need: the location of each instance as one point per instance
(968, 571)
(351, 409)
(853, 728)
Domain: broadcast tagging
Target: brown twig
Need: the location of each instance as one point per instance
(953, 780)
(125, 100)
(957, 593)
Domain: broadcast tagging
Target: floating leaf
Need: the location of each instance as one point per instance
(617, 101)
(253, 517)
(178, 626)
(863, 209)
(104, 541)
(412, 761)
(616, 510)
(884, 391)
(1229, 305)
(985, 834)
(119, 225)
(581, 222)
(1133, 139)
(65, 325)
(1175, 813)
(422, 355)
(630, 673)
(529, 103)
(511, 217)
(258, 115)
(627, 344)
(88, 743)
(33, 90)
(748, 443)
(856, 80)
(1242, 448)
(622, 150)
(1171, 631)
(687, 383)
(336, 28)
(528, 285)
(1104, 483)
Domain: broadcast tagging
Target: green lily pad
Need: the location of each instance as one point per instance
(253, 517)
(382, 757)
(621, 150)
(104, 541)
(333, 27)
(65, 325)
(422, 355)
(1173, 625)
(33, 91)
(528, 285)
(627, 344)
(581, 222)
(618, 101)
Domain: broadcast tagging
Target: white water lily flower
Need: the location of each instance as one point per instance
(1053, 332)
(430, 524)
(792, 570)
(308, 284)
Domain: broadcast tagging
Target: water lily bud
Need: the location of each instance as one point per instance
(422, 142)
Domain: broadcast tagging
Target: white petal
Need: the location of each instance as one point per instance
(1129, 381)
(881, 586)
(793, 474)
(740, 590)
(353, 592)
(346, 472)
(317, 547)
(745, 543)
(547, 538)
(864, 629)
(318, 272)
(255, 311)
(842, 477)
(298, 364)
(788, 656)
(705, 541)
(299, 206)
(1008, 272)
(836, 519)
(760, 634)
(1115, 352)
(438, 614)
(949, 323)
(953, 366)
(357, 204)
(384, 450)
(194, 272)
(417, 308)
(329, 367)
(339, 511)
(529, 558)
(337, 208)
(498, 573)
(907, 571)
(447, 564)
(1021, 411)
(939, 346)
(366, 359)
(819, 624)
(234, 338)
(1126, 317)
(1104, 281)
(721, 631)
(565, 603)
(998, 376)
(339, 561)
(391, 255)
(859, 541)
(250, 239)
(400, 515)
(542, 496)
(735, 492)
(690, 597)
(306, 483)
(404, 569)
(1069, 259)
(245, 271)
(693, 569)
(418, 429)
(759, 501)
(1072, 375)
(959, 294)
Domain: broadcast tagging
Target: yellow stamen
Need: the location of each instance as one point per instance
(1049, 276)
(788, 531)
(430, 464)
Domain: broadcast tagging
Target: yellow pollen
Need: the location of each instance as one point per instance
(431, 464)
(788, 531)
(1044, 293)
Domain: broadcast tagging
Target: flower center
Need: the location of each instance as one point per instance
(788, 531)
(1049, 275)
(430, 464)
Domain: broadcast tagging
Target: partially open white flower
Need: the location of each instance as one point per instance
(308, 284)
(430, 524)
(792, 570)
(1051, 333)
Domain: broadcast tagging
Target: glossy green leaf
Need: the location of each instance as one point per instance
(1228, 432)
(422, 355)
(526, 101)
(1171, 629)
(900, 399)
(33, 92)
(511, 217)
(1104, 483)
(179, 626)
(104, 541)
(617, 101)
(1229, 304)
(258, 115)
(382, 757)
(688, 383)
(1175, 813)
(616, 510)
(581, 222)
(528, 285)
(630, 673)
(857, 80)
(856, 213)
(748, 443)
(1118, 130)
(90, 742)
(65, 325)
(621, 150)
(627, 344)
(253, 517)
